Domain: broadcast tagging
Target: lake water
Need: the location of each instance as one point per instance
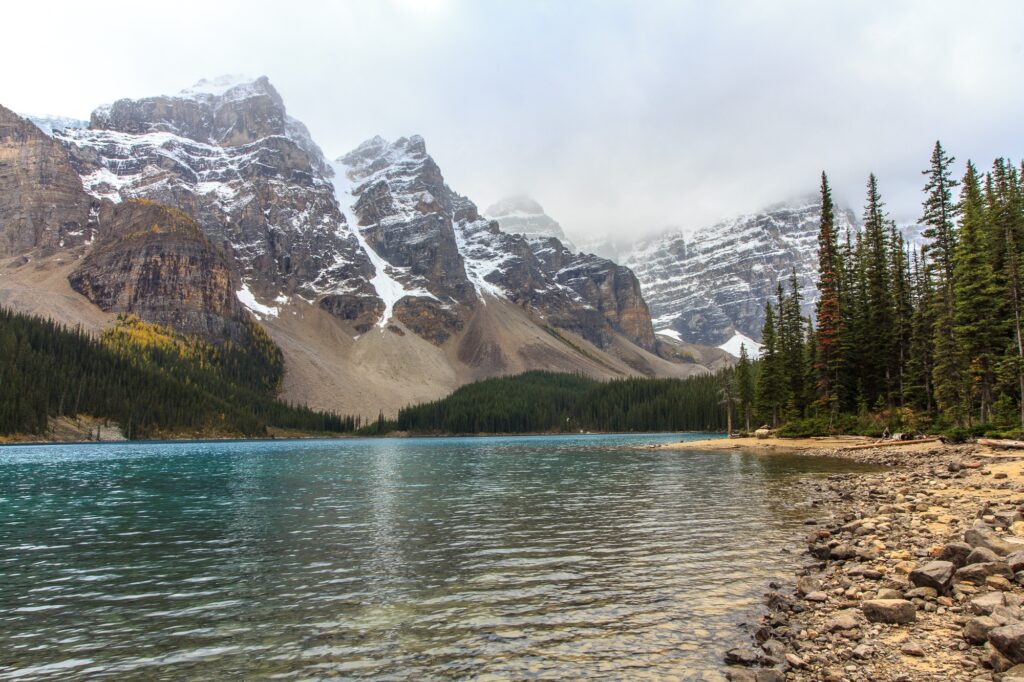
(522, 558)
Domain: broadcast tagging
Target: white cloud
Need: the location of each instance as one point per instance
(620, 117)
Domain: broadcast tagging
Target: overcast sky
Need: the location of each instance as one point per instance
(621, 118)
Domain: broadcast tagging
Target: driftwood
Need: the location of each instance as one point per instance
(1004, 444)
(892, 443)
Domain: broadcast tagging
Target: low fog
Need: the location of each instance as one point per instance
(621, 118)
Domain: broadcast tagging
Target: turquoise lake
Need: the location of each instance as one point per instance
(481, 558)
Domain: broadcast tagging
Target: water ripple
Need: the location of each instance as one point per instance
(524, 558)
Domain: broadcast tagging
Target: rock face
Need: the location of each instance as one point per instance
(155, 262)
(42, 204)
(714, 284)
(521, 214)
(437, 248)
(228, 154)
(321, 253)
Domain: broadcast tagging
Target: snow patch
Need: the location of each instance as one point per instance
(388, 289)
(732, 346)
(216, 86)
(247, 299)
(670, 333)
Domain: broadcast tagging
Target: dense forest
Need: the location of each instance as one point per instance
(904, 338)
(549, 402)
(149, 380)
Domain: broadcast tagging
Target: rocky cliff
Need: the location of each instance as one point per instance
(523, 215)
(42, 203)
(155, 262)
(382, 285)
(711, 286)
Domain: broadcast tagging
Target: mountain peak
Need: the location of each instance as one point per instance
(221, 84)
(522, 214)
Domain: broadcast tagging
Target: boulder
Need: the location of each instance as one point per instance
(1016, 562)
(956, 553)
(895, 611)
(976, 629)
(981, 555)
(976, 573)
(1009, 641)
(936, 574)
(984, 605)
(986, 537)
(742, 656)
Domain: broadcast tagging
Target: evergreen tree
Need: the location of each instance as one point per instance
(978, 330)
(770, 381)
(903, 310)
(829, 324)
(878, 342)
(938, 215)
(744, 389)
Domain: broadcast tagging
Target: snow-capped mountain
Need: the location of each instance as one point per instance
(375, 277)
(50, 124)
(521, 214)
(712, 286)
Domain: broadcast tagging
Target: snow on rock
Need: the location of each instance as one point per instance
(521, 214)
(51, 124)
(670, 333)
(732, 346)
(246, 298)
(715, 282)
(388, 289)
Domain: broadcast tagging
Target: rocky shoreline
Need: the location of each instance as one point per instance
(915, 572)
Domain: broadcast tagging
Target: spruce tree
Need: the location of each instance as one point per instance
(938, 216)
(978, 324)
(744, 385)
(878, 370)
(769, 383)
(828, 338)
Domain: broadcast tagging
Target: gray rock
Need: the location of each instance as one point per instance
(936, 574)
(816, 596)
(976, 629)
(844, 620)
(1009, 641)
(805, 585)
(976, 573)
(955, 552)
(986, 537)
(896, 611)
(1016, 562)
(984, 605)
(981, 555)
(742, 656)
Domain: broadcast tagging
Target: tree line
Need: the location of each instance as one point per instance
(148, 379)
(552, 402)
(902, 336)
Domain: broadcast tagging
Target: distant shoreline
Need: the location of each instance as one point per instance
(351, 436)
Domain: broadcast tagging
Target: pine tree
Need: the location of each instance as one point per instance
(903, 310)
(878, 305)
(769, 384)
(978, 330)
(938, 215)
(829, 323)
(744, 385)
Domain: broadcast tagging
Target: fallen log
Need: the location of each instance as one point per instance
(1003, 444)
(892, 444)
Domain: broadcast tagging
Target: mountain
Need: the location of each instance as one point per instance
(521, 214)
(381, 284)
(711, 287)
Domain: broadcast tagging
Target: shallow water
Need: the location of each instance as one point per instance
(523, 558)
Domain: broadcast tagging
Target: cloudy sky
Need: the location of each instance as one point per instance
(620, 117)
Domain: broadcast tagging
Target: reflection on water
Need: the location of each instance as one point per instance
(532, 557)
